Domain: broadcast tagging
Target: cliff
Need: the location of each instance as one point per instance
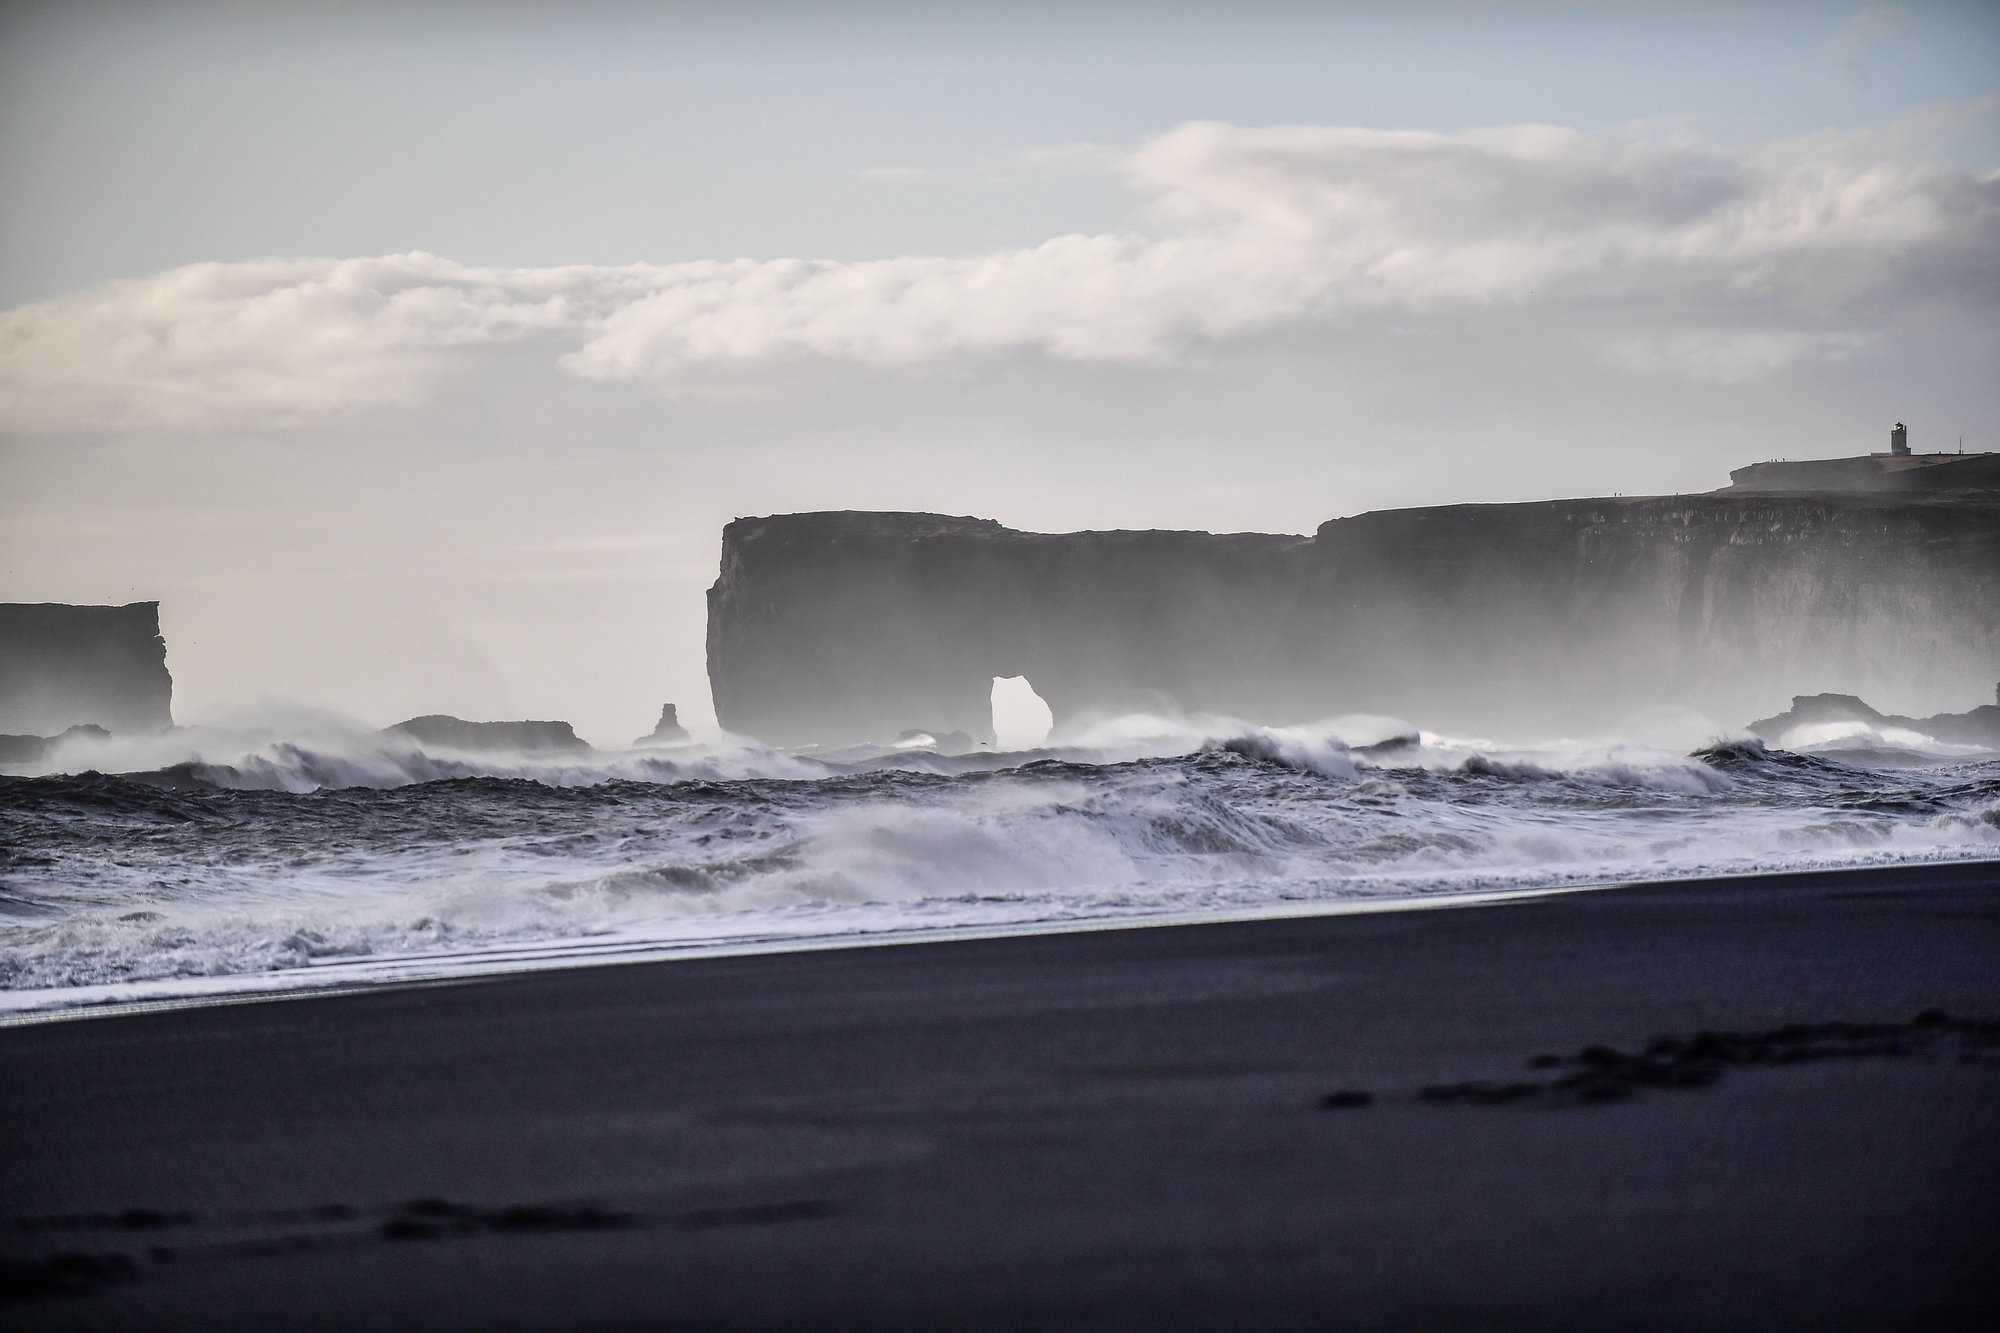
(65, 666)
(845, 627)
(1873, 472)
(833, 628)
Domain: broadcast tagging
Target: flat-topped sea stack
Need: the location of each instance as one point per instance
(836, 628)
(83, 666)
(444, 732)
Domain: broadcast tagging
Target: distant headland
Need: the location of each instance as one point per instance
(1877, 575)
(841, 627)
(1897, 470)
(63, 667)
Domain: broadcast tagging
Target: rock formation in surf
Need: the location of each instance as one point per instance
(35, 749)
(668, 731)
(1978, 726)
(444, 732)
(67, 666)
(933, 738)
(1553, 617)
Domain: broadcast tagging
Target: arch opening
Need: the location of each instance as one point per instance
(1021, 718)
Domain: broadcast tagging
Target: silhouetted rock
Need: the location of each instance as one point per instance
(836, 628)
(1979, 726)
(1873, 472)
(62, 666)
(33, 749)
(929, 738)
(668, 732)
(441, 731)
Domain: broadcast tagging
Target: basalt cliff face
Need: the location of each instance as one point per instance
(833, 628)
(843, 627)
(65, 666)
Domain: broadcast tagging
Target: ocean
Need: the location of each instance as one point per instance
(242, 864)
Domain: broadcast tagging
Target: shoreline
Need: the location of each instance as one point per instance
(312, 982)
(1226, 1125)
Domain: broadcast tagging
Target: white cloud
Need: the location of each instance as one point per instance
(1749, 252)
(272, 339)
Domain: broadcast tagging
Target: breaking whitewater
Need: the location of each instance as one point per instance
(244, 865)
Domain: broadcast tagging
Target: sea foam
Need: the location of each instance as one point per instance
(238, 861)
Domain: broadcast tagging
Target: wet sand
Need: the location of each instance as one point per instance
(1120, 1130)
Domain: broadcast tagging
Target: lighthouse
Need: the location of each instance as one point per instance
(1899, 440)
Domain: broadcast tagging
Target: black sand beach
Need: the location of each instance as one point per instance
(1122, 1129)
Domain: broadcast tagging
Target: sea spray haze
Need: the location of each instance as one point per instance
(413, 359)
(256, 864)
(395, 446)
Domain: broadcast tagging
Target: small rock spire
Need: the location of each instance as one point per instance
(668, 732)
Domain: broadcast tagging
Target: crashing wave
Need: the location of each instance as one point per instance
(254, 862)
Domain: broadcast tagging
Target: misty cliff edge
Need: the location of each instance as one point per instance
(90, 666)
(832, 628)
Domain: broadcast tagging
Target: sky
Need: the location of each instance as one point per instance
(413, 356)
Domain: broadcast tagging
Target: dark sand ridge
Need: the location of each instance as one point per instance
(1120, 1129)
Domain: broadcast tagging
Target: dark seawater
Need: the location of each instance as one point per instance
(318, 863)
